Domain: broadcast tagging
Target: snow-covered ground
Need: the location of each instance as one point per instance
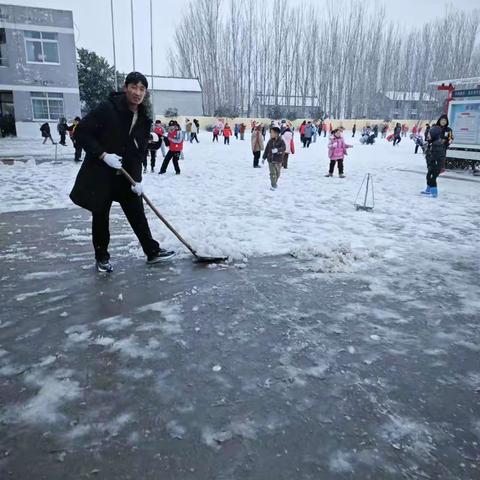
(224, 206)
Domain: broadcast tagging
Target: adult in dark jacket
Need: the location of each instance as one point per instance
(435, 157)
(397, 134)
(115, 135)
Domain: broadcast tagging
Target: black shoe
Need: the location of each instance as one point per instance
(162, 173)
(104, 266)
(177, 173)
(161, 256)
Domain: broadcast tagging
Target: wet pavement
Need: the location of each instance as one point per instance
(275, 368)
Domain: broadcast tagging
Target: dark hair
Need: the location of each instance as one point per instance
(136, 77)
(77, 119)
(158, 121)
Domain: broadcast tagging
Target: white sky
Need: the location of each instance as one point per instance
(93, 24)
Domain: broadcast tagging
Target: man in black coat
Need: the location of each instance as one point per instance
(115, 135)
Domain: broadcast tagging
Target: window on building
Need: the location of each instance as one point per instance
(41, 47)
(47, 106)
(3, 48)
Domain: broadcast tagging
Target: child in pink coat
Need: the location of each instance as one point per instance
(337, 149)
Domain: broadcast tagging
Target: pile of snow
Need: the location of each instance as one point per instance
(225, 207)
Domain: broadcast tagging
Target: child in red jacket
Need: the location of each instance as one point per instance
(175, 147)
(216, 133)
(227, 133)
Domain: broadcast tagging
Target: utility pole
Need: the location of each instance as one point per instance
(133, 34)
(151, 59)
(114, 54)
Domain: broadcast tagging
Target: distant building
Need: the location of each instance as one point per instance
(282, 106)
(38, 68)
(183, 95)
(404, 105)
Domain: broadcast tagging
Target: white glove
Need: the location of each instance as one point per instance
(113, 161)
(274, 150)
(138, 189)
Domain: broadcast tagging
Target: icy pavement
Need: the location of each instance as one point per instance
(263, 369)
(359, 358)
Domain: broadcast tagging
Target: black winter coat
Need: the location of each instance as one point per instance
(435, 155)
(106, 129)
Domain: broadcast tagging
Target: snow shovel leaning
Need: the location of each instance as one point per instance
(198, 258)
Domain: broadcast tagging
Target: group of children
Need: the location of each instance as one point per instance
(163, 136)
(281, 145)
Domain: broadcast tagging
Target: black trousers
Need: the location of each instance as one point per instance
(78, 152)
(193, 136)
(416, 148)
(432, 173)
(174, 156)
(62, 138)
(285, 160)
(132, 206)
(153, 158)
(332, 166)
(215, 138)
(48, 137)
(396, 140)
(256, 158)
(307, 141)
(226, 140)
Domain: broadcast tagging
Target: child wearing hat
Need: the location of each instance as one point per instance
(274, 152)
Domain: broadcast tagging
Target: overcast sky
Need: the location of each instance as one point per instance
(93, 24)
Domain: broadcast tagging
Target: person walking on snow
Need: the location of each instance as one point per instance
(354, 130)
(115, 136)
(227, 133)
(175, 148)
(62, 128)
(307, 135)
(397, 134)
(287, 137)
(274, 152)
(257, 145)
(337, 149)
(446, 136)
(45, 130)
(216, 133)
(302, 128)
(160, 131)
(195, 131)
(152, 147)
(242, 129)
(435, 157)
(72, 132)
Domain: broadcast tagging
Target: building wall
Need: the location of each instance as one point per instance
(186, 103)
(23, 78)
